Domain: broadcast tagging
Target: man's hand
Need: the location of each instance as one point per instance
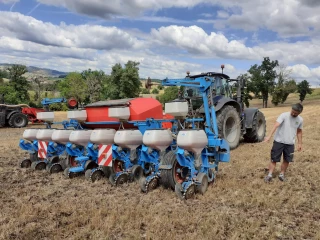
(299, 147)
(267, 139)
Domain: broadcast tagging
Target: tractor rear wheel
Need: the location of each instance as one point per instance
(258, 130)
(169, 177)
(18, 120)
(229, 126)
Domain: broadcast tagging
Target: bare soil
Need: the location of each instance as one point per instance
(37, 205)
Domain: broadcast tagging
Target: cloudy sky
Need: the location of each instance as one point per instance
(167, 37)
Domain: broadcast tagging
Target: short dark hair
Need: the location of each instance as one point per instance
(297, 107)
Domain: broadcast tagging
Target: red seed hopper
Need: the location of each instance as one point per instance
(140, 110)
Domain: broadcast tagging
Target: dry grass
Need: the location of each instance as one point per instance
(36, 205)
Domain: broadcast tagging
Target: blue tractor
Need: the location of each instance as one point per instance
(202, 146)
(234, 120)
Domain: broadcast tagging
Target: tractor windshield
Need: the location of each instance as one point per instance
(220, 87)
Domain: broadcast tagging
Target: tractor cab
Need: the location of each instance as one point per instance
(220, 88)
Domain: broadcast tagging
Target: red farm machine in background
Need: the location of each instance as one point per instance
(32, 112)
(18, 116)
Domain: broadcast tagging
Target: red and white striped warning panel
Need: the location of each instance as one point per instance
(105, 155)
(42, 149)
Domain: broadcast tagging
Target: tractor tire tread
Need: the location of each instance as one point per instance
(220, 116)
(251, 135)
(12, 118)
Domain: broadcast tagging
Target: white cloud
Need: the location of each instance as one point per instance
(196, 41)
(207, 15)
(301, 72)
(9, 1)
(108, 9)
(222, 14)
(71, 47)
(21, 48)
(286, 17)
(82, 36)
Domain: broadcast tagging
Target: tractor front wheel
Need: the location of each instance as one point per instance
(229, 126)
(258, 130)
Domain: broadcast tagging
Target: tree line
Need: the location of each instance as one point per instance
(264, 81)
(269, 79)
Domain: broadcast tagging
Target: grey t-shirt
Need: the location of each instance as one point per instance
(287, 131)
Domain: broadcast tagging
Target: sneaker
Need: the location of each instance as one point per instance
(281, 177)
(268, 178)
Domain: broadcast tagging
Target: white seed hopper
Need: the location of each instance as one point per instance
(122, 113)
(177, 109)
(192, 140)
(80, 137)
(103, 136)
(45, 134)
(30, 134)
(80, 115)
(61, 136)
(158, 139)
(128, 138)
(45, 116)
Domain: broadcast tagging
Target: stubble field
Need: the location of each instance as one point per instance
(37, 205)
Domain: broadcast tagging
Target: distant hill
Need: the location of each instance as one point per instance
(38, 71)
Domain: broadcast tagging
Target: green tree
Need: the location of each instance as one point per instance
(10, 95)
(263, 79)
(170, 93)
(124, 82)
(304, 89)
(3, 74)
(247, 90)
(155, 91)
(284, 86)
(94, 81)
(38, 87)
(144, 91)
(74, 86)
(19, 83)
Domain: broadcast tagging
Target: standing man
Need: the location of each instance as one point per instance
(288, 126)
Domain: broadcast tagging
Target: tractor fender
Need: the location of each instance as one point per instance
(11, 113)
(249, 115)
(226, 101)
(220, 102)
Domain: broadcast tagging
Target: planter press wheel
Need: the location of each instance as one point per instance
(94, 175)
(25, 163)
(38, 165)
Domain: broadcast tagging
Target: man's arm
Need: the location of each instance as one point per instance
(299, 135)
(276, 125)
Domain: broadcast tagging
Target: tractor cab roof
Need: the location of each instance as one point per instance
(210, 74)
